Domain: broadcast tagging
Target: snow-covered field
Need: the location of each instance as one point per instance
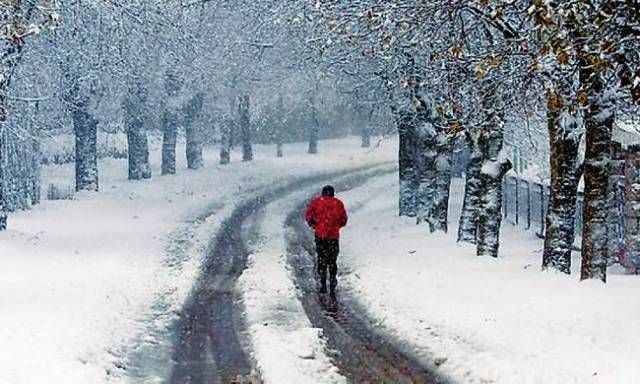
(84, 280)
(483, 320)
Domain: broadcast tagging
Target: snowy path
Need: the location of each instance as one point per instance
(362, 354)
(210, 347)
(255, 316)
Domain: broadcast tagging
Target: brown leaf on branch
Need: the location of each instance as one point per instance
(455, 52)
(455, 127)
(554, 102)
(562, 58)
(582, 98)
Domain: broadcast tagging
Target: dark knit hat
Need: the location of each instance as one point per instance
(328, 190)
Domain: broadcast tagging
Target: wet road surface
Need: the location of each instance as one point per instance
(209, 349)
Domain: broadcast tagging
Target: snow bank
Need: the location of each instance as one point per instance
(85, 280)
(287, 347)
(482, 320)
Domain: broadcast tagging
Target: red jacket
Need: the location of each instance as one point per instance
(326, 215)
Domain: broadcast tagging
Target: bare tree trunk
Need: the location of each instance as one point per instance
(22, 185)
(280, 125)
(170, 122)
(493, 171)
(407, 166)
(11, 57)
(86, 131)
(425, 159)
(138, 152)
(433, 159)
(444, 148)
(225, 141)
(366, 130)
(85, 128)
(137, 142)
(490, 212)
(228, 129)
(599, 119)
(468, 226)
(616, 210)
(632, 207)
(169, 139)
(34, 183)
(314, 127)
(194, 148)
(193, 132)
(245, 127)
(366, 137)
(565, 176)
(279, 150)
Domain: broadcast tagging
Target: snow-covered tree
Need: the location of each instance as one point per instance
(588, 49)
(21, 21)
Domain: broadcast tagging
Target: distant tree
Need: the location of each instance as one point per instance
(314, 126)
(170, 123)
(137, 141)
(244, 120)
(279, 125)
(193, 130)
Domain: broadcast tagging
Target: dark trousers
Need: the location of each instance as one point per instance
(327, 251)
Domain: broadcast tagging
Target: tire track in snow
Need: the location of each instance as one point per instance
(209, 345)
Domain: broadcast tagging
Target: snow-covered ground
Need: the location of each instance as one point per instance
(84, 280)
(482, 320)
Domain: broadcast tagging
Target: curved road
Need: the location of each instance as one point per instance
(210, 347)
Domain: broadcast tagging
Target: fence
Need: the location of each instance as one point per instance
(525, 204)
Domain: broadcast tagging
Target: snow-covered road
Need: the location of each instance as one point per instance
(92, 286)
(210, 348)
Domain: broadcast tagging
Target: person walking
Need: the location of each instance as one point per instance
(326, 215)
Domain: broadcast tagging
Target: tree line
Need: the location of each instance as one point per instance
(442, 72)
(203, 70)
(466, 70)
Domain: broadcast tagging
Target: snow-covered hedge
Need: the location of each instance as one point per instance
(60, 149)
